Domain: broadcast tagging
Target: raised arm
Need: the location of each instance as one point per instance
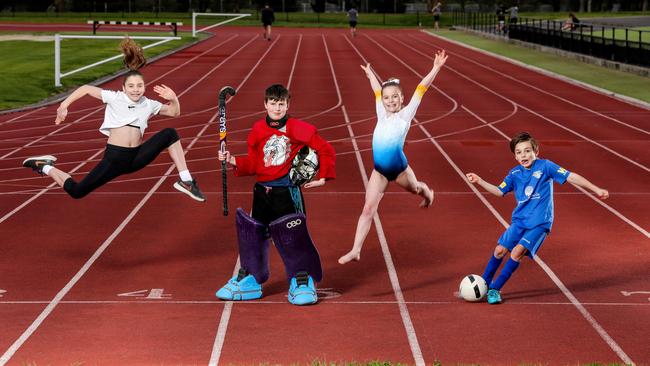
(475, 179)
(374, 83)
(173, 108)
(581, 181)
(62, 111)
(438, 62)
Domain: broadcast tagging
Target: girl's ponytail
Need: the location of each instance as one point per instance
(133, 54)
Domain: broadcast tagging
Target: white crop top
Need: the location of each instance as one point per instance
(121, 111)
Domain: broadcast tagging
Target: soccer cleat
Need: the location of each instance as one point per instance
(191, 189)
(241, 287)
(302, 290)
(36, 163)
(494, 296)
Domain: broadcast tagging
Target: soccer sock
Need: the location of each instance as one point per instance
(46, 169)
(491, 269)
(185, 175)
(507, 271)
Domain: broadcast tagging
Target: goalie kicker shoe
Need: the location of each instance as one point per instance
(302, 290)
(240, 288)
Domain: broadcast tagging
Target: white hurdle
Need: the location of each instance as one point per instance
(234, 16)
(58, 75)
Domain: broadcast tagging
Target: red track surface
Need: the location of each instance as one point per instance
(65, 262)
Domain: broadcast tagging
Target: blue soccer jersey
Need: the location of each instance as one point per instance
(533, 189)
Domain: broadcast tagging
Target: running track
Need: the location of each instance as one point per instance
(127, 275)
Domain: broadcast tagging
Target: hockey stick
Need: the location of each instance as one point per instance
(225, 91)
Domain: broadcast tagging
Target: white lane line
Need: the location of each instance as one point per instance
(59, 296)
(599, 329)
(64, 291)
(582, 190)
(629, 160)
(222, 329)
(24, 204)
(591, 88)
(324, 301)
(21, 116)
(411, 334)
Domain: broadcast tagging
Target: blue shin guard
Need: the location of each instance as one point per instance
(253, 246)
(295, 246)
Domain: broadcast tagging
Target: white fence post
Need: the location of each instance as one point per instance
(57, 60)
(193, 24)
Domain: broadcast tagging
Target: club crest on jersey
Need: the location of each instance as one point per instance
(276, 150)
(537, 174)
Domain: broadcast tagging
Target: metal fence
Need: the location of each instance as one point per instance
(630, 46)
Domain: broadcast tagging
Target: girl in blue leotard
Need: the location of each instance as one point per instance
(390, 164)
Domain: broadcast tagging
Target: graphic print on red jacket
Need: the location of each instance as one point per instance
(271, 151)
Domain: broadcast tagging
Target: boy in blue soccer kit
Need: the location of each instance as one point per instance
(532, 184)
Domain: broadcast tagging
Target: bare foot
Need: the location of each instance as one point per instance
(428, 198)
(351, 256)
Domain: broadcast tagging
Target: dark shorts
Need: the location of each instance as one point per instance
(353, 23)
(436, 17)
(271, 203)
(264, 24)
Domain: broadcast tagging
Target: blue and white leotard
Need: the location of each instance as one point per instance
(390, 133)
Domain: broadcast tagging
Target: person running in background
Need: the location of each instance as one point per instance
(352, 17)
(125, 120)
(268, 17)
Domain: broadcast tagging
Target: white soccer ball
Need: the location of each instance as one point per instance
(472, 288)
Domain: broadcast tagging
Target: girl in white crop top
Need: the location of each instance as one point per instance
(390, 164)
(125, 120)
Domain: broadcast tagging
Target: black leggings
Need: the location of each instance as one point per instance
(120, 160)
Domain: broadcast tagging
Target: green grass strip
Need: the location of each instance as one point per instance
(615, 81)
(28, 75)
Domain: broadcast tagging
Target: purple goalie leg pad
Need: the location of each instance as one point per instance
(253, 246)
(295, 246)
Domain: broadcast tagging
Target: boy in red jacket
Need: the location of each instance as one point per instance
(278, 208)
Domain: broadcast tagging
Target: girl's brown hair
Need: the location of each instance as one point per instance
(133, 54)
(133, 58)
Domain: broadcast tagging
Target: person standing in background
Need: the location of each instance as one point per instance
(437, 10)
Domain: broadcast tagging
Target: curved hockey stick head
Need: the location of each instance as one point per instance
(225, 91)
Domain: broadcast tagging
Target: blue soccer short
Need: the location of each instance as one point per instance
(531, 239)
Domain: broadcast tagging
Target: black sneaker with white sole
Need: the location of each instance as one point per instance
(36, 163)
(191, 189)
